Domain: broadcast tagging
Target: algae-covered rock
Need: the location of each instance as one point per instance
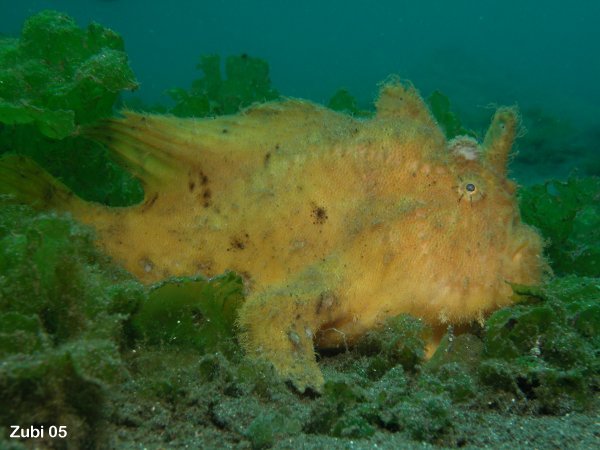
(424, 416)
(343, 411)
(266, 429)
(546, 349)
(401, 340)
(63, 309)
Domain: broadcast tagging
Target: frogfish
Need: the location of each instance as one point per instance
(335, 223)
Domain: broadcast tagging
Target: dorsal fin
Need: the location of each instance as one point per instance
(170, 154)
(161, 150)
(402, 101)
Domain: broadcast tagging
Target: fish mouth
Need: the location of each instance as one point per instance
(528, 264)
(517, 254)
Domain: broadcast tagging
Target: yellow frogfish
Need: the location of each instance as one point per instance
(335, 223)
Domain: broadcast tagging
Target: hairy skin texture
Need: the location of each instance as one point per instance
(336, 223)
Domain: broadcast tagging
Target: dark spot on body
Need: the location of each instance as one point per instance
(203, 178)
(206, 196)
(224, 131)
(205, 267)
(267, 158)
(236, 244)
(319, 214)
(191, 186)
(150, 202)
(239, 242)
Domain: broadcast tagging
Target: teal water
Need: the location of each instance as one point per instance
(542, 54)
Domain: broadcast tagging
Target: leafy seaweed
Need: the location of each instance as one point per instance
(58, 76)
(55, 78)
(246, 81)
(568, 216)
(450, 123)
(345, 102)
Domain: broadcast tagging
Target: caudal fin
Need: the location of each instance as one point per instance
(23, 181)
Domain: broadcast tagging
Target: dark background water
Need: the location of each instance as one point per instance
(533, 53)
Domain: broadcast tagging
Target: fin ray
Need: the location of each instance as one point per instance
(25, 181)
(160, 149)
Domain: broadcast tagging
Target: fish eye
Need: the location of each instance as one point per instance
(471, 187)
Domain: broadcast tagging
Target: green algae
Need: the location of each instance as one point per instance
(567, 213)
(401, 340)
(69, 320)
(439, 105)
(345, 102)
(54, 79)
(58, 76)
(546, 350)
(246, 81)
(62, 318)
(192, 312)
